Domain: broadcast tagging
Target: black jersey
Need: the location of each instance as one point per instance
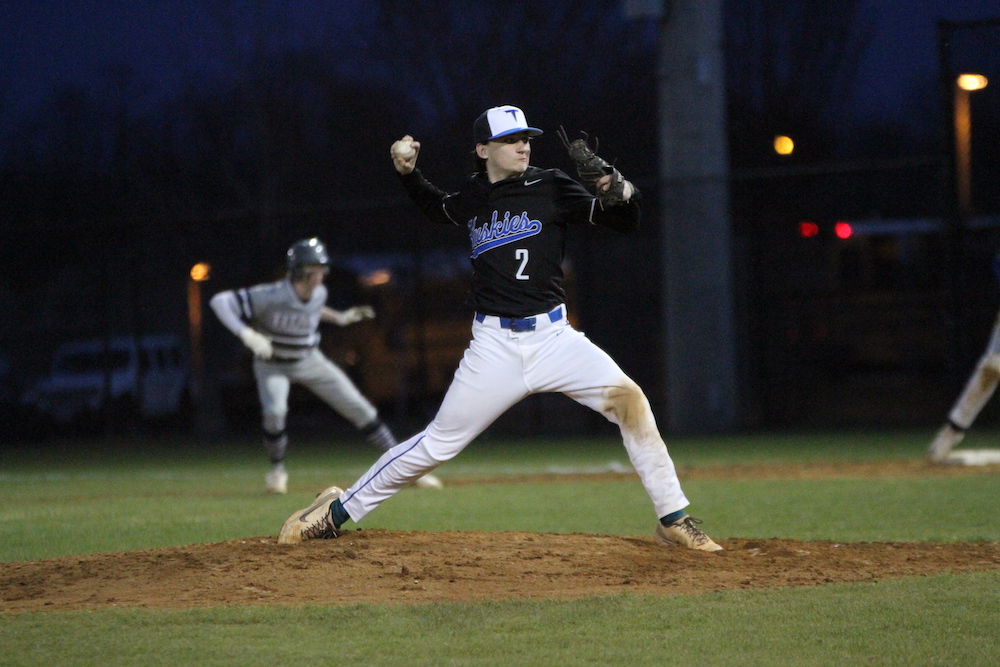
(517, 230)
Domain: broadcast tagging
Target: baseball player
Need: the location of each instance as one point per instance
(517, 218)
(279, 321)
(978, 390)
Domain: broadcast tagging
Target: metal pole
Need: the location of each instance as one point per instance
(963, 151)
(197, 348)
(700, 364)
(950, 209)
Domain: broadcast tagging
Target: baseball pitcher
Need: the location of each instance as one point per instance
(517, 217)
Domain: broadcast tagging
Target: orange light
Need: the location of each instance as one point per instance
(783, 145)
(843, 230)
(377, 277)
(972, 81)
(200, 271)
(807, 230)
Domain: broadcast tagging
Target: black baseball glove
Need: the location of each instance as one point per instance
(590, 166)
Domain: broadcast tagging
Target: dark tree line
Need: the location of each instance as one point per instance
(109, 193)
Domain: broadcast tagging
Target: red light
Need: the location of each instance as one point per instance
(843, 230)
(808, 229)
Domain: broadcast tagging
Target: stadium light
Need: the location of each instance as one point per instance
(200, 272)
(972, 81)
(783, 145)
(377, 277)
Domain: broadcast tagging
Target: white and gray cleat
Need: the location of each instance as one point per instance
(685, 533)
(314, 522)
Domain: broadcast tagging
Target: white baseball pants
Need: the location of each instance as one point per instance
(980, 385)
(503, 366)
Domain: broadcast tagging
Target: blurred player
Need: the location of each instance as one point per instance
(279, 321)
(978, 390)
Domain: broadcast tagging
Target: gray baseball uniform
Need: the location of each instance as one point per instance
(276, 311)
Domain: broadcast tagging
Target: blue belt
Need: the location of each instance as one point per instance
(522, 323)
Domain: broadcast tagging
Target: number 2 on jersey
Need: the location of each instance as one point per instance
(521, 254)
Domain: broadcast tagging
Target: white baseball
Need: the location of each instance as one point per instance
(403, 149)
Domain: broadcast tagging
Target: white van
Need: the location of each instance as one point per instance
(150, 380)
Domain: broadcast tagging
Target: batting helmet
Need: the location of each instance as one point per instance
(304, 252)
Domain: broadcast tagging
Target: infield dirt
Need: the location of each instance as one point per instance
(382, 566)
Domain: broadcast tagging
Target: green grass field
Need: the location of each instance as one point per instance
(86, 497)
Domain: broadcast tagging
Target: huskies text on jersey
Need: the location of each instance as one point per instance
(499, 232)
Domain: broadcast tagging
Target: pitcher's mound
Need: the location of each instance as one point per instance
(383, 566)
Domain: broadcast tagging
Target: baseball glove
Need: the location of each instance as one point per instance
(590, 166)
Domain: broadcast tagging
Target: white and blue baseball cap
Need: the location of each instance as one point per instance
(499, 122)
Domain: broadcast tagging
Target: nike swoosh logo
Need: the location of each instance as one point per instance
(312, 508)
(537, 180)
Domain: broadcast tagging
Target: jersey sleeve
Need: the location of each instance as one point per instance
(229, 311)
(581, 207)
(433, 201)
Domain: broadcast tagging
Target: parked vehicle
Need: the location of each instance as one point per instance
(145, 379)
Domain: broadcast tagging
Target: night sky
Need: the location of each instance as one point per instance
(49, 42)
(170, 45)
(904, 46)
(167, 42)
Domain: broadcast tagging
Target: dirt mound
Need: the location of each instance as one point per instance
(378, 566)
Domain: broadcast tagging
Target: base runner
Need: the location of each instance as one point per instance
(279, 322)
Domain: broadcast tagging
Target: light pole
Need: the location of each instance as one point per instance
(199, 274)
(964, 85)
(957, 176)
(961, 89)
